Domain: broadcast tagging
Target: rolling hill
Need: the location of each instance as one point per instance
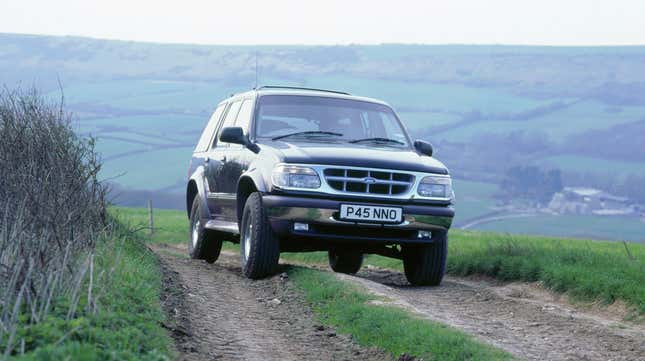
(486, 108)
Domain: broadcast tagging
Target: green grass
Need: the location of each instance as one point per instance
(127, 324)
(347, 308)
(586, 270)
(171, 226)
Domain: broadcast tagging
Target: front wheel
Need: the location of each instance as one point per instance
(425, 264)
(202, 244)
(345, 262)
(259, 249)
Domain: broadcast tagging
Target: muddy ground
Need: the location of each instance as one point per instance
(216, 314)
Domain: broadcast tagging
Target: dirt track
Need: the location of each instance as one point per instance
(527, 322)
(217, 314)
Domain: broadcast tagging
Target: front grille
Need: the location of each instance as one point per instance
(368, 181)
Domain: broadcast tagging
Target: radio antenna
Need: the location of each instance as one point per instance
(256, 70)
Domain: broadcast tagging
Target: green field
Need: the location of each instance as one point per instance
(580, 117)
(594, 227)
(151, 170)
(585, 270)
(610, 168)
(446, 97)
(473, 199)
(147, 95)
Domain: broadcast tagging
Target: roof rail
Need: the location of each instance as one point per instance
(301, 88)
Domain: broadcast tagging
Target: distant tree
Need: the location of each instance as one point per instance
(532, 183)
(632, 188)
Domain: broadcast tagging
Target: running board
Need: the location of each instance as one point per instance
(222, 226)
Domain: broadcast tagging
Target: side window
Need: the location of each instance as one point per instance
(211, 126)
(229, 121)
(243, 120)
(244, 116)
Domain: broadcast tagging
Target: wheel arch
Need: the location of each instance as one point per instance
(191, 193)
(197, 189)
(245, 187)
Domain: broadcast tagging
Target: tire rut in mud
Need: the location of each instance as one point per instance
(217, 314)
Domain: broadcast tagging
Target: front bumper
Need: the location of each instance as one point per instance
(324, 226)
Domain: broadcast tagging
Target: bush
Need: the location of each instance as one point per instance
(52, 209)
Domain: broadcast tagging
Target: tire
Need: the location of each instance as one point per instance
(345, 262)
(201, 242)
(425, 264)
(259, 249)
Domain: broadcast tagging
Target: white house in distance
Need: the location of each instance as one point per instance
(580, 200)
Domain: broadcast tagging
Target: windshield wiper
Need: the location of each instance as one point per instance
(377, 139)
(310, 132)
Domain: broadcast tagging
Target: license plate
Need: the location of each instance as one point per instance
(354, 212)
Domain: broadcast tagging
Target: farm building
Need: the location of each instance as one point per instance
(579, 200)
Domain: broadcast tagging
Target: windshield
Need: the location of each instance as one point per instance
(328, 119)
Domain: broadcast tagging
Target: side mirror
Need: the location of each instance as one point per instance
(236, 135)
(233, 135)
(423, 147)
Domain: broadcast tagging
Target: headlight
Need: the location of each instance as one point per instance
(293, 176)
(435, 187)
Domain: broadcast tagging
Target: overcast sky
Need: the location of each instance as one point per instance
(550, 22)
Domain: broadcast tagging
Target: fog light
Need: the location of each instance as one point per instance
(424, 234)
(301, 227)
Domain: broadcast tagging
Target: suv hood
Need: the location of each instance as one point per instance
(355, 155)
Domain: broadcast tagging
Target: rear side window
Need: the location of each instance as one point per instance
(229, 121)
(207, 135)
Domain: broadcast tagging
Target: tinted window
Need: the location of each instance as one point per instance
(244, 116)
(284, 114)
(229, 121)
(207, 134)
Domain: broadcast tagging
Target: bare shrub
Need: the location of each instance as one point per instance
(52, 209)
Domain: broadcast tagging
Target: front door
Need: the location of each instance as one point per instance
(220, 186)
(236, 162)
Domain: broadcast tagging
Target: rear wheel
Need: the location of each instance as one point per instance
(203, 244)
(345, 261)
(425, 264)
(259, 249)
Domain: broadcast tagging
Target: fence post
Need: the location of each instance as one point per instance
(151, 220)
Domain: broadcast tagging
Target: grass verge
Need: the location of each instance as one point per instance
(347, 308)
(126, 323)
(586, 270)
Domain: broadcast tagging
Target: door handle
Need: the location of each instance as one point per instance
(207, 159)
(223, 159)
